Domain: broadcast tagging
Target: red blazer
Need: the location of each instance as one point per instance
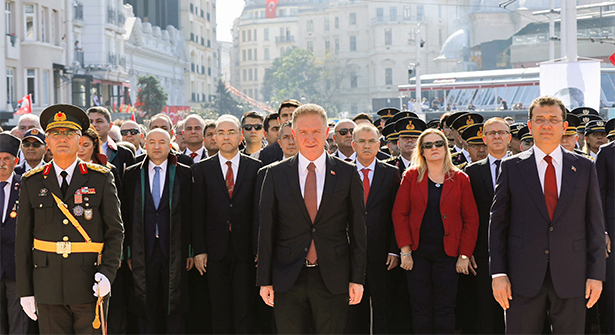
(457, 207)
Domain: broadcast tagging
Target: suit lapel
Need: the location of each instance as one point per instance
(424, 187)
(570, 177)
(529, 171)
(13, 195)
(485, 172)
(330, 179)
(220, 176)
(243, 165)
(376, 183)
(447, 187)
(295, 187)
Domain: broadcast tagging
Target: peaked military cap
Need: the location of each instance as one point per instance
(464, 121)
(64, 116)
(410, 126)
(473, 134)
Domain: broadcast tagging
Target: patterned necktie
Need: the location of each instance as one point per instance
(2, 198)
(550, 186)
(64, 186)
(192, 155)
(497, 171)
(230, 181)
(365, 183)
(348, 160)
(156, 192)
(311, 203)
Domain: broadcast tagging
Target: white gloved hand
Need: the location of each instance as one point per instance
(102, 287)
(29, 306)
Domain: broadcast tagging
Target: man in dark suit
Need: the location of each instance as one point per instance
(312, 247)
(13, 320)
(546, 238)
(120, 157)
(69, 231)
(605, 165)
(273, 153)
(380, 184)
(33, 148)
(158, 217)
(489, 317)
(193, 131)
(224, 189)
(163, 121)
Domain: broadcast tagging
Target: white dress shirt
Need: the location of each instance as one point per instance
(492, 167)
(70, 170)
(352, 157)
(371, 168)
(234, 163)
(163, 175)
(321, 166)
(593, 155)
(406, 162)
(105, 148)
(28, 167)
(200, 154)
(7, 193)
(542, 166)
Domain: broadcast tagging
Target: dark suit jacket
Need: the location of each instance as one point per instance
(457, 206)
(482, 188)
(605, 167)
(378, 209)
(271, 154)
(215, 211)
(119, 156)
(181, 158)
(286, 230)
(523, 240)
(7, 234)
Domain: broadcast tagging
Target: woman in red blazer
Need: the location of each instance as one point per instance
(436, 225)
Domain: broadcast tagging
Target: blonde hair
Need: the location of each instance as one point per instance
(419, 162)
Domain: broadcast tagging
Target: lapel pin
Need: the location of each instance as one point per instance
(333, 172)
(574, 169)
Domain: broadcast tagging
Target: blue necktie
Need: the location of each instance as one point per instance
(2, 185)
(156, 192)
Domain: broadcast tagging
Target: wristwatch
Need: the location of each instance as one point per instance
(464, 257)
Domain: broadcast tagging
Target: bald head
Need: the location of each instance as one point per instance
(157, 133)
(158, 145)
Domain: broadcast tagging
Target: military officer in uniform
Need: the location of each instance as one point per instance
(386, 114)
(69, 232)
(526, 139)
(408, 129)
(458, 126)
(391, 138)
(585, 114)
(515, 143)
(610, 130)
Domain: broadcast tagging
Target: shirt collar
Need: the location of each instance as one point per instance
(493, 159)
(69, 170)
(405, 161)
(371, 167)
(9, 182)
(352, 157)
(320, 162)
(234, 160)
(556, 155)
(163, 166)
(188, 151)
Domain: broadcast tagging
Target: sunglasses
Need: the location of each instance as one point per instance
(125, 132)
(345, 131)
(429, 145)
(249, 127)
(34, 144)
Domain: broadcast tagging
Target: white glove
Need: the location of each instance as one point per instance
(29, 306)
(102, 287)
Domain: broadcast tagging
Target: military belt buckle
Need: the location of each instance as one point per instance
(63, 248)
(310, 265)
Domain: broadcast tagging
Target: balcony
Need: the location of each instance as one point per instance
(79, 57)
(111, 17)
(112, 59)
(123, 61)
(78, 11)
(285, 39)
(396, 20)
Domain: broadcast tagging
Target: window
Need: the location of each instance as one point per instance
(249, 35)
(406, 12)
(388, 76)
(43, 26)
(393, 12)
(440, 36)
(255, 54)
(337, 22)
(256, 74)
(254, 35)
(31, 84)
(380, 14)
(420, 11)
(30, 22)
(249, 54)
(243, 36)
(267, 53)
(256, 89)
(327, 47)
(326, 23)
(10, 85)
(54, 21)
(8, 17)
(250, 74)
(353, 43)
(388, 36)
(266, 34)
(310, 46)
(337, 46)
(310, 25)
(353, 79)
(245, 75)
(352, 18)
(45, 88)
(440, 11)
(243, 55)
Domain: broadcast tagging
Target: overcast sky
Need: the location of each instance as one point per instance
(226, 12)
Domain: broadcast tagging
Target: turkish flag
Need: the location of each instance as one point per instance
(612, 58)
(271, 7)
(24, 106)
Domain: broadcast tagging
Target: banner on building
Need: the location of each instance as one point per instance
(24, 106)
(577, 84)
(272, 5)
(176, 113)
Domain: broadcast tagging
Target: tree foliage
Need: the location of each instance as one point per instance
(225, 103)
(151, 97)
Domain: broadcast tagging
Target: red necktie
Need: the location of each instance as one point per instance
(348, 160)
(230, 182)
(550, 186)
(192, 155)
(365, 183)
(311, 203)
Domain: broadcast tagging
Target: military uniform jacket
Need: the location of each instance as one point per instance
(7, 233)
(50, 277)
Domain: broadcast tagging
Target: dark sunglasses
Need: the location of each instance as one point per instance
(429, 145)
(34, 144)
(125, 132)
(345, 131)
(249, 127)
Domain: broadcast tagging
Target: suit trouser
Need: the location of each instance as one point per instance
(68, 319)
(309, 303)
(13, 320)
(157, 290)
(432, 284)
(374, 304)
(527, 315)
(231, 284)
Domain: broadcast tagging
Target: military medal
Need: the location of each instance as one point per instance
(88, 214)
(43, 192)
(78, 211)
(13, 214)
(78, 197)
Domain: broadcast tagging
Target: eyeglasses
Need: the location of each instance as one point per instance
(248, 127)
(345, 131)
(125, 132)
(362, 141)
(543, 121)
(222, 133)
(58, 133)
(500, 133)
(34, 144)
(429, 145)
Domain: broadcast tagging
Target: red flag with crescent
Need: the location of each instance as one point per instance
(271, 7)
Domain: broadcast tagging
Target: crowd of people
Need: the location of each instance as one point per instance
(286, 223)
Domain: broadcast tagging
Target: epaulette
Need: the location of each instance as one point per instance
(98, 168)
(33, 171)
(462, 165)
(390, 159)
(455, 154)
